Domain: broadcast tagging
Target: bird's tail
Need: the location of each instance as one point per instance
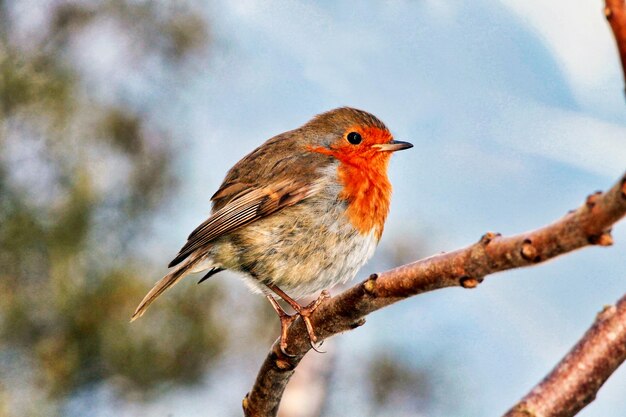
(194, 265)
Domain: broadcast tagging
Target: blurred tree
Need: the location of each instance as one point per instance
(81, 175)
(397, 388)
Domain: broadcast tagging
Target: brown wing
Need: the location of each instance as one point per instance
(244, 208)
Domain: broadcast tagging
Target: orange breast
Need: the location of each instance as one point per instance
(368, 192)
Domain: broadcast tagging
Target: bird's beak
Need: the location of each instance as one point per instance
(392, 146)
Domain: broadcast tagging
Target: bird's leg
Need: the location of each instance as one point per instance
(303, 311)
(285, 322)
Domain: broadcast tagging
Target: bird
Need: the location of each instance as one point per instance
(299, 214)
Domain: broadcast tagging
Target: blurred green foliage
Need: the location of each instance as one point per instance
(396, 384)
(81, 178)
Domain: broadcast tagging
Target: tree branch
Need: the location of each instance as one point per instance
(588, 225)
(577, 378)
(615, 12)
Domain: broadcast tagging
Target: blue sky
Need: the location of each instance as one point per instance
(516, 111)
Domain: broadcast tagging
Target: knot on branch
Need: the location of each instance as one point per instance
(607, 312)
(603, 239)
(477, 262)
(488, 237)
(520, 410)
(245, 404)
(470, 282)
(592, 199)
(529, 251)
(360, 322)
(281, 361)
(369, 286)
(284, 365)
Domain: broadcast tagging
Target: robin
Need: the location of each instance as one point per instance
(299, 214)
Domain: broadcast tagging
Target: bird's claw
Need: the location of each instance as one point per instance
(315, 348)
(304, 312)
(284, 325)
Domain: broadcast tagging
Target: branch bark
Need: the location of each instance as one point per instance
(615, 12)
(574, 382)
(588, 225)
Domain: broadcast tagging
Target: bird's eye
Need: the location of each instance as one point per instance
(354, 138)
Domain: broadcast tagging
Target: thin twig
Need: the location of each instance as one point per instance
(577, 378)
(615, 12)
(588, 225)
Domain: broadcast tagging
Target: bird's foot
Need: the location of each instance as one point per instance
(303, 311)
(306, 311)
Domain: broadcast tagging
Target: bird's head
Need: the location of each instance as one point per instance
(352, 136)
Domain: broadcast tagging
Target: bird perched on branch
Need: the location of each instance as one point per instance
(299, 214)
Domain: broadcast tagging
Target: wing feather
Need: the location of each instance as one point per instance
(246, 207)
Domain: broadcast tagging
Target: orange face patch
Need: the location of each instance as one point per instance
(363, 173)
